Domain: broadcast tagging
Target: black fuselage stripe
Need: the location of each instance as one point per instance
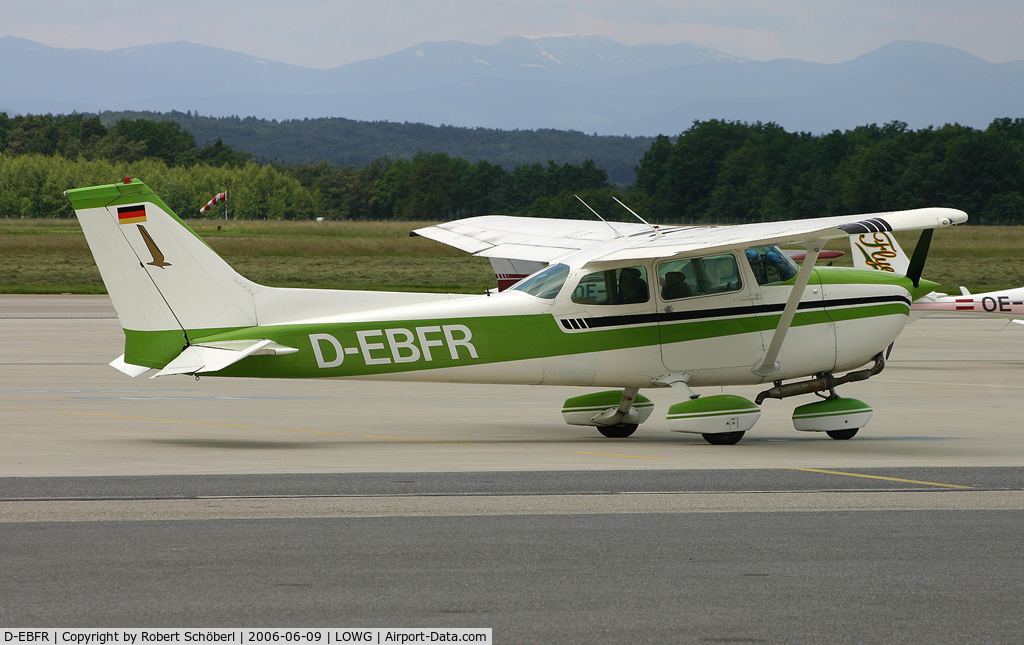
(730, 312)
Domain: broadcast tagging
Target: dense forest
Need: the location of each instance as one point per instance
(715, 171)
(344, 142)
(43, 155)
(739, 172)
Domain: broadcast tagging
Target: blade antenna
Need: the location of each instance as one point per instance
(617, 234)
(653, 228)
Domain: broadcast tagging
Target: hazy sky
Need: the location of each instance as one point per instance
(328, 33)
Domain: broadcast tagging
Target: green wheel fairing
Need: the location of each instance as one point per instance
(833, 415)
(714, 415)
(599, 401)
(830, 408)
(713, 406)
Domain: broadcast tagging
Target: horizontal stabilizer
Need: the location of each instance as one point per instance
(213, 357)
(131, 370)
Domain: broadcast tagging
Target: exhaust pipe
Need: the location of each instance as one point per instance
(823, 383)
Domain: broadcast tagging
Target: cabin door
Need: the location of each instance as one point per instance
(708, 318)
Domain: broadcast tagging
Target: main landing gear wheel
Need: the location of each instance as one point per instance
(618, 432)
(842, 434)
(724, 438)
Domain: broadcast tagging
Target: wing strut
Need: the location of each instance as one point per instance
(770, 363)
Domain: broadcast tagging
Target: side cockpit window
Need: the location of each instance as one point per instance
(544, 284)
(624, 286)
(699, 276)
(770, 264)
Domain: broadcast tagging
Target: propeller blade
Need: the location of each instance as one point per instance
(916, 267)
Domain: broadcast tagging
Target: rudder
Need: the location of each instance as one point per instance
(164, 281)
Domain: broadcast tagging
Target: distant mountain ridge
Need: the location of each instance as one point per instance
(584, 83)
(344, 142)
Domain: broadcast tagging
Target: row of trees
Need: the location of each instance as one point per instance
(42, 156)
(436, 186)
(427, 187)
(716, 171)
(739, 172)
(82, 136)
(33, 186)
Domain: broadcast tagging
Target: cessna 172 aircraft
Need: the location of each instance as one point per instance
(624, 306)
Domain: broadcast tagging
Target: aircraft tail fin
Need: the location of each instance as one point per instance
(164, 281)
(878, 251)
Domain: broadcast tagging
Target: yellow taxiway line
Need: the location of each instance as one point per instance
(891, 479)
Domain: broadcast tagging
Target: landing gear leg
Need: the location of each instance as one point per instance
(615, 413)
(620, 430)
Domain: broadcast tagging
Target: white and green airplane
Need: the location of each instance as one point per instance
(623, 306)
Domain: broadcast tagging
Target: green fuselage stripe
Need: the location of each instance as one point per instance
(384, 347)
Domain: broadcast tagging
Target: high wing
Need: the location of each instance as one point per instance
(528, 238)
(548, 240)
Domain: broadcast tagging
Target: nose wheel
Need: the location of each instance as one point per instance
(842, 435)
(723, 438)
(618, 432)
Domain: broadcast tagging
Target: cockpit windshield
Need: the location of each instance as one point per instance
(544, 284)
(770, 264)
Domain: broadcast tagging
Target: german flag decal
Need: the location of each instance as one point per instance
(131, 214)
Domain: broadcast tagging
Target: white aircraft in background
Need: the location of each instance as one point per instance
(626, 307)
(880, 251)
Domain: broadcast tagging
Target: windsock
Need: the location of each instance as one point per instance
(221, 197)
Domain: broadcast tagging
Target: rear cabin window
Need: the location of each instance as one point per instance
(699, 276)
(624, 286)
(544, 284)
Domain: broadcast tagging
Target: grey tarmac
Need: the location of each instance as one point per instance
(172, 502)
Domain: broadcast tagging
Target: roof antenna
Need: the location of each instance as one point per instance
(654, 228)
(617, 234)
